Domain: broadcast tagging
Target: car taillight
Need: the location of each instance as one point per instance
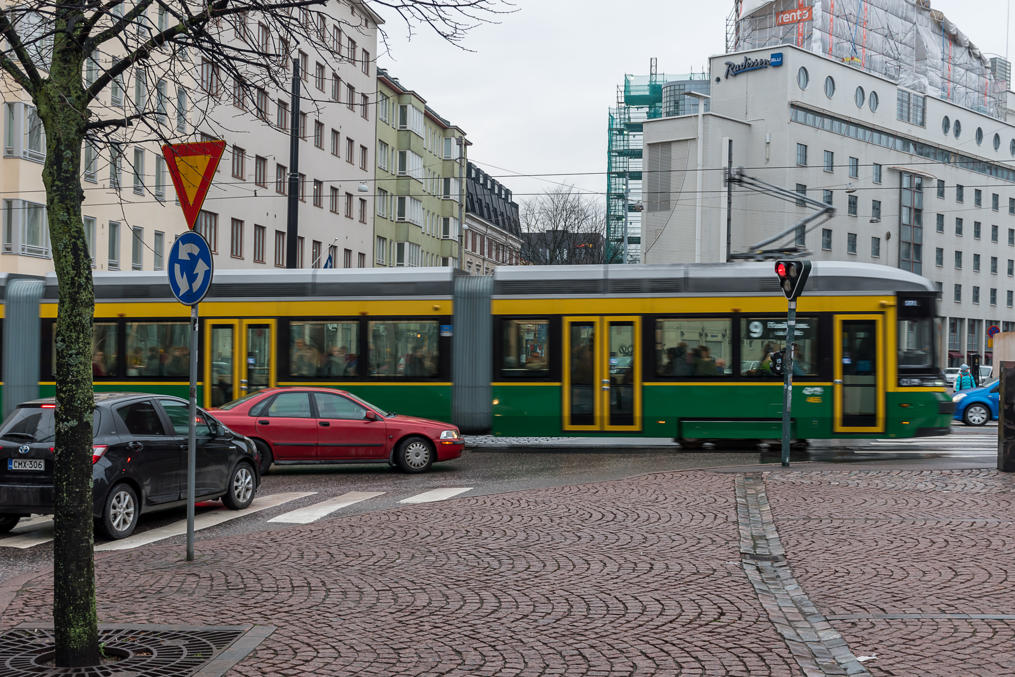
(97, 451)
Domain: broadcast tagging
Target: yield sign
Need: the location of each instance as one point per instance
(192, 166)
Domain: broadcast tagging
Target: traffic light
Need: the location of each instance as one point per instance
(792, 276)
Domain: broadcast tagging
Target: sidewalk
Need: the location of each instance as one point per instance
(810, 570)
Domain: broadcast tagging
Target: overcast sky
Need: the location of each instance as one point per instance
(533, 93)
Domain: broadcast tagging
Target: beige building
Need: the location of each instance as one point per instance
(130, 214)
(492, 235)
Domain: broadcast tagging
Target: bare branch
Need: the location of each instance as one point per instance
(31, 73)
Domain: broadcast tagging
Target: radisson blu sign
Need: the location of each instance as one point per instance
(748, 64)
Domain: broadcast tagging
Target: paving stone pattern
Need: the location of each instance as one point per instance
(644, 576)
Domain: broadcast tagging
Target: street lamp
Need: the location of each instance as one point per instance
(702, 98)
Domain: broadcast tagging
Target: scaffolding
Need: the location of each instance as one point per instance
(904, 40)
(640, 98)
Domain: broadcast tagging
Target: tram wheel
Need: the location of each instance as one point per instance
(691, 443)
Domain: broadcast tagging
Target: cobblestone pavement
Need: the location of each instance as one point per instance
(895, 572)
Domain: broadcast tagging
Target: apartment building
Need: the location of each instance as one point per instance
(419, 189)
(493, 234)
(130, 214)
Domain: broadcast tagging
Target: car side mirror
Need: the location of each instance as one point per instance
(370, 416)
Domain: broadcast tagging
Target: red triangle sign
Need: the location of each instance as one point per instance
(192, 166)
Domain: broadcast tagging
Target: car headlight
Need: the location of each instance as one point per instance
(450, 435)
(958, 397)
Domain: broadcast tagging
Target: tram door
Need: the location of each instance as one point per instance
(239, 359)
(859, 374)
(602, 373)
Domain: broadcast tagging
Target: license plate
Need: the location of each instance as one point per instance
(26, 464)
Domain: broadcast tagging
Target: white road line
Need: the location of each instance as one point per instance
(435, 495)
(947, 454)
(314, 512)
(30, 533)
(208, 519)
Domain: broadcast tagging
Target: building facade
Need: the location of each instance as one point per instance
(917, 181)
(130, 214)
(493, 235)
(419, 188)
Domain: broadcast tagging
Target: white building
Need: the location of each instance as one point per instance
(130, 214)
(917, 181)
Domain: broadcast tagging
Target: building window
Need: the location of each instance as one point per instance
(826, 239)
(876, 173)
(958, 260)
(801, 189)
(958, 226)
(361, 260)
(1011, 267)
(854, 168)
(336, 87)
(976, 263)
(957, 293)
(208, 226)
(319, 76)
(829, 161)
(977, 228)
(364, 106)
(280, 179)
(1010, 299)
(977, 197)
(160, 177)
(136, 242)
(362, 210)
(851, 203)
(365, 66)
(995, 202)
(876, 210)
(138, 171)
(258, 244)
(332, 255)
(347, 258)
(282, 115)
(994, 234)
(380, 250)
(939, 257)
(261, 171)
(315, 254)
(829, 87)
(159, 249)
(911, 223)
(91, 162)
(334, 199)
(960, 193)
(113, 250)
(236, 239)
(802, 78)
(940, 189)
(348, 205)
(239, 163)
(301, 183)
(801, 154)
(910, 108)
(363, 159)
(382, 203)
(350, 93)
(280, 249)
(350, 150)
(1011, 237)
(993, 265)
(940, 223)
(851, 243)
(1011, 205)
(319, 134)
(318, 193)
(875, 247)
(336, 144)
(976, 294)
(826, 197)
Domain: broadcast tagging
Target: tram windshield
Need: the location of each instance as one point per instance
(916, 343)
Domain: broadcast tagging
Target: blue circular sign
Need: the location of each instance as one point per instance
(190, 268)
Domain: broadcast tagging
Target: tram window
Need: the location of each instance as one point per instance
(104, 354)
(760, 337)
(404, 349)
(526, 348)
(158, 349)
(693, 347)
(323, 349)
(916, 336)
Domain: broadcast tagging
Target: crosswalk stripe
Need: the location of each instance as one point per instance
(30, 533)
(435, 495)
(208, 519)
(316, 511)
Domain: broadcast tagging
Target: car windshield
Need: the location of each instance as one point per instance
(236, 403)
(35, 424)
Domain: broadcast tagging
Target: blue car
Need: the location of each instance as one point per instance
(978, 405)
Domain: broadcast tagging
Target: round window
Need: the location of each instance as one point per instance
(997, 142)
(872, 101)
(803, 78)
(859, 97)
(979, 135)
(958, 129)
(946, 124)
(829, 87)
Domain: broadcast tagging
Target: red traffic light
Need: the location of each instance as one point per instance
(780, 269)
(792, 276)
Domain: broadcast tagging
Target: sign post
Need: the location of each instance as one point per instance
(792, 277)
(191, 267)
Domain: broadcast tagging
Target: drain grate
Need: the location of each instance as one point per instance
(136, 651)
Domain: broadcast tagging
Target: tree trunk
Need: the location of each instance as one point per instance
(64, 113)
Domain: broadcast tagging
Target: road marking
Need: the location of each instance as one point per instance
(951, 454)
(203, 521)
(435, 495)
(30, 533)
(314, 512)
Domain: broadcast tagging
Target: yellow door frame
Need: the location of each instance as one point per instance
(209, 384)
(240, 373)
(601, 373)
(272, 353)
(879, 374)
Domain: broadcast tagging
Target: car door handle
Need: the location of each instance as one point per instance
(324, 424)
(262, 422)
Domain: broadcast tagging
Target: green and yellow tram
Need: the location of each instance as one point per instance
(677, 351)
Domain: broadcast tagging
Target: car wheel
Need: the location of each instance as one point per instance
(976, 414)
(264, 455)
(415, 455)
(120, 515)
(241, 487)
(8, 522)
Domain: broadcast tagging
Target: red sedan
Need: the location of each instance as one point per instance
(324, 425)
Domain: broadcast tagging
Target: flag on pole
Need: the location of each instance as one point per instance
(329, 263)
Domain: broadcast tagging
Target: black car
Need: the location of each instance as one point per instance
(139, 460)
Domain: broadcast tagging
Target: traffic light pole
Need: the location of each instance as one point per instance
(787, 388)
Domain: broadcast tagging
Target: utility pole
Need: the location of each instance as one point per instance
(461, 202)
(729, 200)
(292, 204)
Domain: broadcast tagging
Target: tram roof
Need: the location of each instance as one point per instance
(741, 278)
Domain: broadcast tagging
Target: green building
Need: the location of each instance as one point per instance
(419, 182)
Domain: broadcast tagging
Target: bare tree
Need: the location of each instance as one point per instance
(61, 55)
(562, 227)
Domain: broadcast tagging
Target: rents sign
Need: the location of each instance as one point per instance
(749, 64)
(794, 16)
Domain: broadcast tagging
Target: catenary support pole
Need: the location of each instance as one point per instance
(293, 204)
(787, 391)
(729, 200)
(192, 433)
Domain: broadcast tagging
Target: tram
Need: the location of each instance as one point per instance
(680, 351)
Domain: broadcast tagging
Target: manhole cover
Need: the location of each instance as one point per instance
(135, 651)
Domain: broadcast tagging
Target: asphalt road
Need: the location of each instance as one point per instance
(303, 494)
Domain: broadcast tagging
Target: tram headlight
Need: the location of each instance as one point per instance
(959, 397)
(925, 382)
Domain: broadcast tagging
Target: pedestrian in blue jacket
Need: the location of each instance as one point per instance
(964, 381)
